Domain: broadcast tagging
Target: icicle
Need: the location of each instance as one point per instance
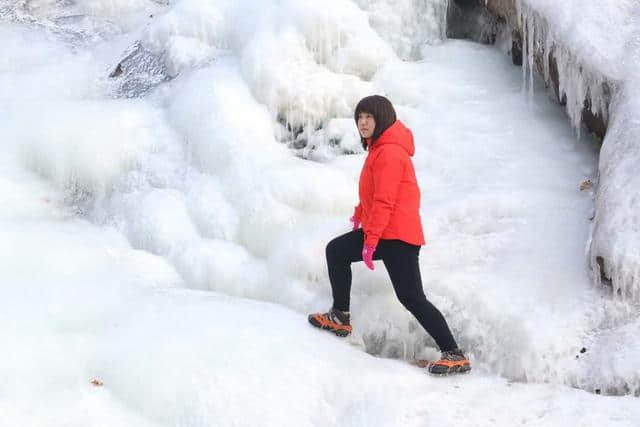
(547, 51)
(575, 82)
(518, 13)
(530, 51)
(522, 24)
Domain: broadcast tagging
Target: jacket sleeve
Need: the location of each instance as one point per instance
(388, 170)
(357, 212)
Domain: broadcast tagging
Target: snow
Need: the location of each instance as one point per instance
(602, 34)
(171, 245)
(615, 233)
(597, 48)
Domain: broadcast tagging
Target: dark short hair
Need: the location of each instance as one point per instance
(381, 110)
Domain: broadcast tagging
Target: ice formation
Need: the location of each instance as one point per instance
(596, 53)
(192, 174)
(140, 70)
(615, 246)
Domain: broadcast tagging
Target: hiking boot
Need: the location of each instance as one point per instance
(335, 321)
(451, 362)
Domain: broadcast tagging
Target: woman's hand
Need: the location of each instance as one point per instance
(367, 255)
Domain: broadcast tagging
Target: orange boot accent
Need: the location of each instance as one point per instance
(323, 321)
(450, 364)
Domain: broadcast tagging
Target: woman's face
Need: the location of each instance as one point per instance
(366, 125)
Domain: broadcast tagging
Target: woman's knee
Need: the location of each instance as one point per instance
(333, 250)
(411, 301)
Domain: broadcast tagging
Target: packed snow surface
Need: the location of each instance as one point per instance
(168, 246)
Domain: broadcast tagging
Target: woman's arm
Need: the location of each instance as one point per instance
(388, 170)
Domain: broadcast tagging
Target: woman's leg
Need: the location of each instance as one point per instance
(401, 261)
(341, 252)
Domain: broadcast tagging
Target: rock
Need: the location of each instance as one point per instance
(139, 71)
(97, 383)
(506, 9)
(585, 185)
(604, 279)
(470, 19)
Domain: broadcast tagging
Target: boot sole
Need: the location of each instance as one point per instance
(442, 371)
(338, 332)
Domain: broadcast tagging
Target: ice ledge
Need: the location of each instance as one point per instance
(594, 71)
(614, 253)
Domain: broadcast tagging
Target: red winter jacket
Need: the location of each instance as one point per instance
(389, 194)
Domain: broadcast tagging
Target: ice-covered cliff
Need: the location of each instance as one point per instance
(589, 53)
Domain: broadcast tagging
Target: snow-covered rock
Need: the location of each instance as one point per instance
(140, 70)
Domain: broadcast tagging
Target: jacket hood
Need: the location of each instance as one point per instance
(397, 134)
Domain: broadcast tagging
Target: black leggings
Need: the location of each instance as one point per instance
(401, 261)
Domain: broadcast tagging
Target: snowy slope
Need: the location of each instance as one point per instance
(80, 305)
(171, 245)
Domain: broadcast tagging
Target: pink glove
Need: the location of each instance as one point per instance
(367, 255)
(355, 221)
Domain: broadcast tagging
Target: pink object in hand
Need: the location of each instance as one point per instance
(367, 256)
(355, 221)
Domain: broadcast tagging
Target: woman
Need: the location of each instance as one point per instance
(391, 231)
